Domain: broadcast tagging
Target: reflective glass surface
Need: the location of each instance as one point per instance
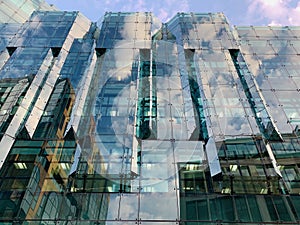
(134, 121)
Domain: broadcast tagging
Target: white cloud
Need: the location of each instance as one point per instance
(163, 14)
(274, 23)
(173, 7)
(276, 12)
(94, 9)
(164, 10)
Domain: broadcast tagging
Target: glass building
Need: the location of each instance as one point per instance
(133, 121)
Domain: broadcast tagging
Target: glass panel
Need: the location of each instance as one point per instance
(151, 204)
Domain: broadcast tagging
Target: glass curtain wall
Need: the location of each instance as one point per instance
(134, 121)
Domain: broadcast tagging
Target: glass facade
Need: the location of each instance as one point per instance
(18, 11)
(134, 121)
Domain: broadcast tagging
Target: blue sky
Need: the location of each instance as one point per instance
(239, 12)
